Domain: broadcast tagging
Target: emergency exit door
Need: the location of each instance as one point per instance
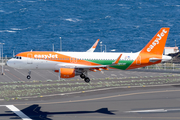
(138, 60)
(29, 59)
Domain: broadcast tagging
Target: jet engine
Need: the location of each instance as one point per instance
(67, 72)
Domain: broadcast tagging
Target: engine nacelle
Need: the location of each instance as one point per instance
(66, 72)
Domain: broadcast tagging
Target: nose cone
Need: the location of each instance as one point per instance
(10, 63)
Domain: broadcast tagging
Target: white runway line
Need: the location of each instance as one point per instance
(153, 111)
(17, 112)
(36, 72)
(20, 72)
(146, 111)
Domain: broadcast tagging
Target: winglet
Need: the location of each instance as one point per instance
(93, 47)
(117, 60)
(95, 44)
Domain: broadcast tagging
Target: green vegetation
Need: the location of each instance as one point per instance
(18, 90)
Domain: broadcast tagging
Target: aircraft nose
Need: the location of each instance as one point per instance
(9, 63)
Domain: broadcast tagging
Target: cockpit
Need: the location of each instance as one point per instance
(17, 57)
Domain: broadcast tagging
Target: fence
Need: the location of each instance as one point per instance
(5, 59)
(164, 66)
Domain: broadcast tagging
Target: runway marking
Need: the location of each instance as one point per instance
(51, 72)
(17, 112)
(153, 111)
(38, 74)
(9, 78)
(121, 117)
(14, 75)
(20, 72)
(146, 111)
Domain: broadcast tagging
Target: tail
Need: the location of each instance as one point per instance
(157, 43)
(152, 53)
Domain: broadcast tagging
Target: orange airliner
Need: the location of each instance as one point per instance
(70, 64)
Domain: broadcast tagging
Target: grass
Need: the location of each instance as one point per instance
(16, 90)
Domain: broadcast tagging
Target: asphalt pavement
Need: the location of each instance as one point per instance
(136, 103)
(126, 104)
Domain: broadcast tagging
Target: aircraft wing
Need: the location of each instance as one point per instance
(93, 47)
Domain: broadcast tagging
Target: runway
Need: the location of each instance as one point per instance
(134, 103)
(137, 103)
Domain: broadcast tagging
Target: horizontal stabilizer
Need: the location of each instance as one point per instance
(164, 58)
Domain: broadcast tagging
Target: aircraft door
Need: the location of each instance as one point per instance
(29, 58)
(73, 60)
(138, 60)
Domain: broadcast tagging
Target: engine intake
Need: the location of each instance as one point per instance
(66, 72)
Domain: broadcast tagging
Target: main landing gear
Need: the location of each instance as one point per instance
(28, 76)
(86, 79)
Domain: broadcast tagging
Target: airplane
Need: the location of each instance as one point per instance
(71, 64)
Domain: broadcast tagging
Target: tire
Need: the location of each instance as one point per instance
(87, 80)
(28, 77)
(82, 76)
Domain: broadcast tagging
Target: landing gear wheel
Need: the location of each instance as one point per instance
(28, 77)
(86, 79)
(82, 76)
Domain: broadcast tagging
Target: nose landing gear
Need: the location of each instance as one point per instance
(28, 76)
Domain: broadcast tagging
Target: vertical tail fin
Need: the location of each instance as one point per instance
(152, 53)
(157, 43)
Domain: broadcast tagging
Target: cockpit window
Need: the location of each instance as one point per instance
(17, 57)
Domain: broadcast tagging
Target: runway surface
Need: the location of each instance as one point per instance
(134, 103)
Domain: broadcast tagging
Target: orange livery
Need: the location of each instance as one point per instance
(70, 64)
